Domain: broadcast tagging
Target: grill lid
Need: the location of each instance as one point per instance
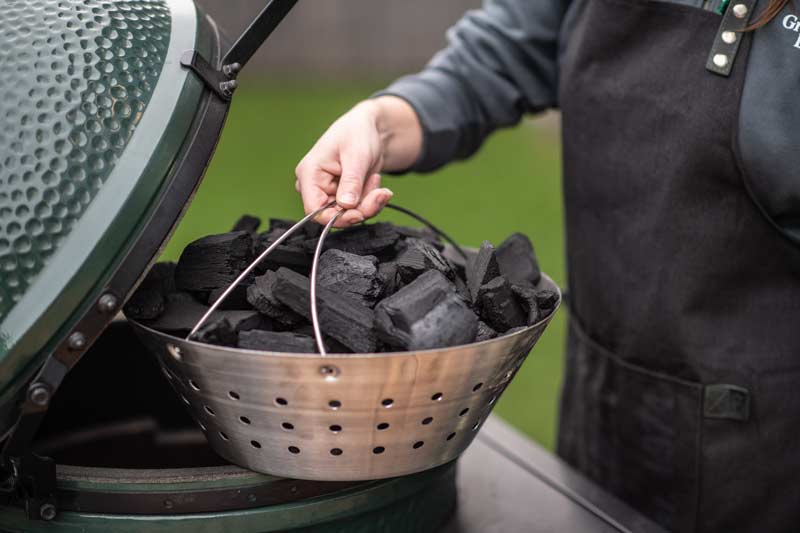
(109, 116)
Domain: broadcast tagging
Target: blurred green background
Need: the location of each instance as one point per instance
(512, 184)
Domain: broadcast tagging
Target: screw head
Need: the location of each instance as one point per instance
(227, 87)
(330, 372)
(77, 341)
(721, 60)
(47, 511)
(740, 11)
(729, 37)
(107, 303)
(232, 69)
(39, 395)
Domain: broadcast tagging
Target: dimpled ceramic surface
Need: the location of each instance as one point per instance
(77, 76)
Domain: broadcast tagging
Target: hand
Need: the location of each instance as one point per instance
(345, 163)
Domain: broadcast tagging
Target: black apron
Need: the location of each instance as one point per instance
(682, 390)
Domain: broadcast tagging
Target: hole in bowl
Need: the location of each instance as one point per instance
(477, 387)
(223, 436)
(438, 396)
(476, 426)
(426, 421)
(464, 411)
(377, 450)
(491, 400)
(450, 436)
(193, 385)
(281, 401)
(174, 351)
(166, 373)
(334, 404)
(419, 444)
(382, 426)
(233, 395)
(294, 450)
(387, 402)
(287, 426)
(336, 451)
(255, 444)
(185, 399)
(209, 410)
(202, 426)
(244, 420)
(336, 428)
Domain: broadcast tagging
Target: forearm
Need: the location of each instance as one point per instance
(400, 132)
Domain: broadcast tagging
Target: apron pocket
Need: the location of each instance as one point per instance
(634, 431)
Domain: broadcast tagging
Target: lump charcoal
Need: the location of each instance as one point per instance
(149, 300)
(277, 341)
(388, 275)
(310, 230)
(366, 239)
(236, 300)
(526, 296)
(459, 262)
(427, 313)
(419, 257)
(289, 253)
(180, 315)
(547, 301)
(517, 260)
(219, 332)
(331, 344)
(485, 332)
(351, 275)
(213, 262)
(498, 306)
(425, 233)
(261, 295)
(482, 269)
(244, 320)
(341, 318)
(463, 291)
(247, 223)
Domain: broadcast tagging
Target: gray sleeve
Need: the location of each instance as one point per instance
(500, 62)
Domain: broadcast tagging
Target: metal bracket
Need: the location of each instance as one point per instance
(222, 82)
(729, 36)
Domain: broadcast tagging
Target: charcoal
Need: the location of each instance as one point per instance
(547, 301)
(331, 344)
(485, 332)
(180, 315)
(388, 274)
(235, 301)
(244, 320)
(149, 300)
(517, 260)
(366, 239)
(277, 341)
(340, 317)
(290, 254)
(526, 296)
(498, 306)
(418, 257)
(427, 313)
(482, 269)
(261, 295)
(457, 261)
(219, 332)
(425, 233)
(213, 262)
(463, 291)
(351, 275)
(310, 230)
(247, 223)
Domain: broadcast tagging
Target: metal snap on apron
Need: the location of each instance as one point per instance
(681, 392)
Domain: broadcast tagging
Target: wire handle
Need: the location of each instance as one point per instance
(314, 264)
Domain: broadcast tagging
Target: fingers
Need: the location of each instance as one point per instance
(375, 201)
(356, 164)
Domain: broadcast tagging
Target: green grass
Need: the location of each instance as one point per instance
(512, 184)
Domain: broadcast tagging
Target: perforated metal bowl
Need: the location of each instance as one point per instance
(348, 417)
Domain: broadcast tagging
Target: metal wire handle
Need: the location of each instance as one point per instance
(314, 263)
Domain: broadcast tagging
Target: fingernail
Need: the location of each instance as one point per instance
(348, 198)
(357, 218)
(386, 197)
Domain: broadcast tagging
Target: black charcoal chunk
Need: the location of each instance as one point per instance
(485, 332)
(419, 257)
(459, 262)
(340, 317)
(425, 233)
(366, 239)
(388, 273)
(182, 312)
(517, 260)
(277, 341)
(290, 253)
(244, 320)
(547, 301)
(482, 269)
(247, 223)
(526, 296)
(213, 262)
(331, 344)
(236, 300)
(351, 275)
(261, 295)
(219, 332)
(149, 300)
(427, 313)
(310, 230)
(499, 307)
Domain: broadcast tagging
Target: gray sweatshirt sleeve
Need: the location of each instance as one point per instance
(500, 62)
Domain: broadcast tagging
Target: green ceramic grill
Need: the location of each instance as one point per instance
(109, 115)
